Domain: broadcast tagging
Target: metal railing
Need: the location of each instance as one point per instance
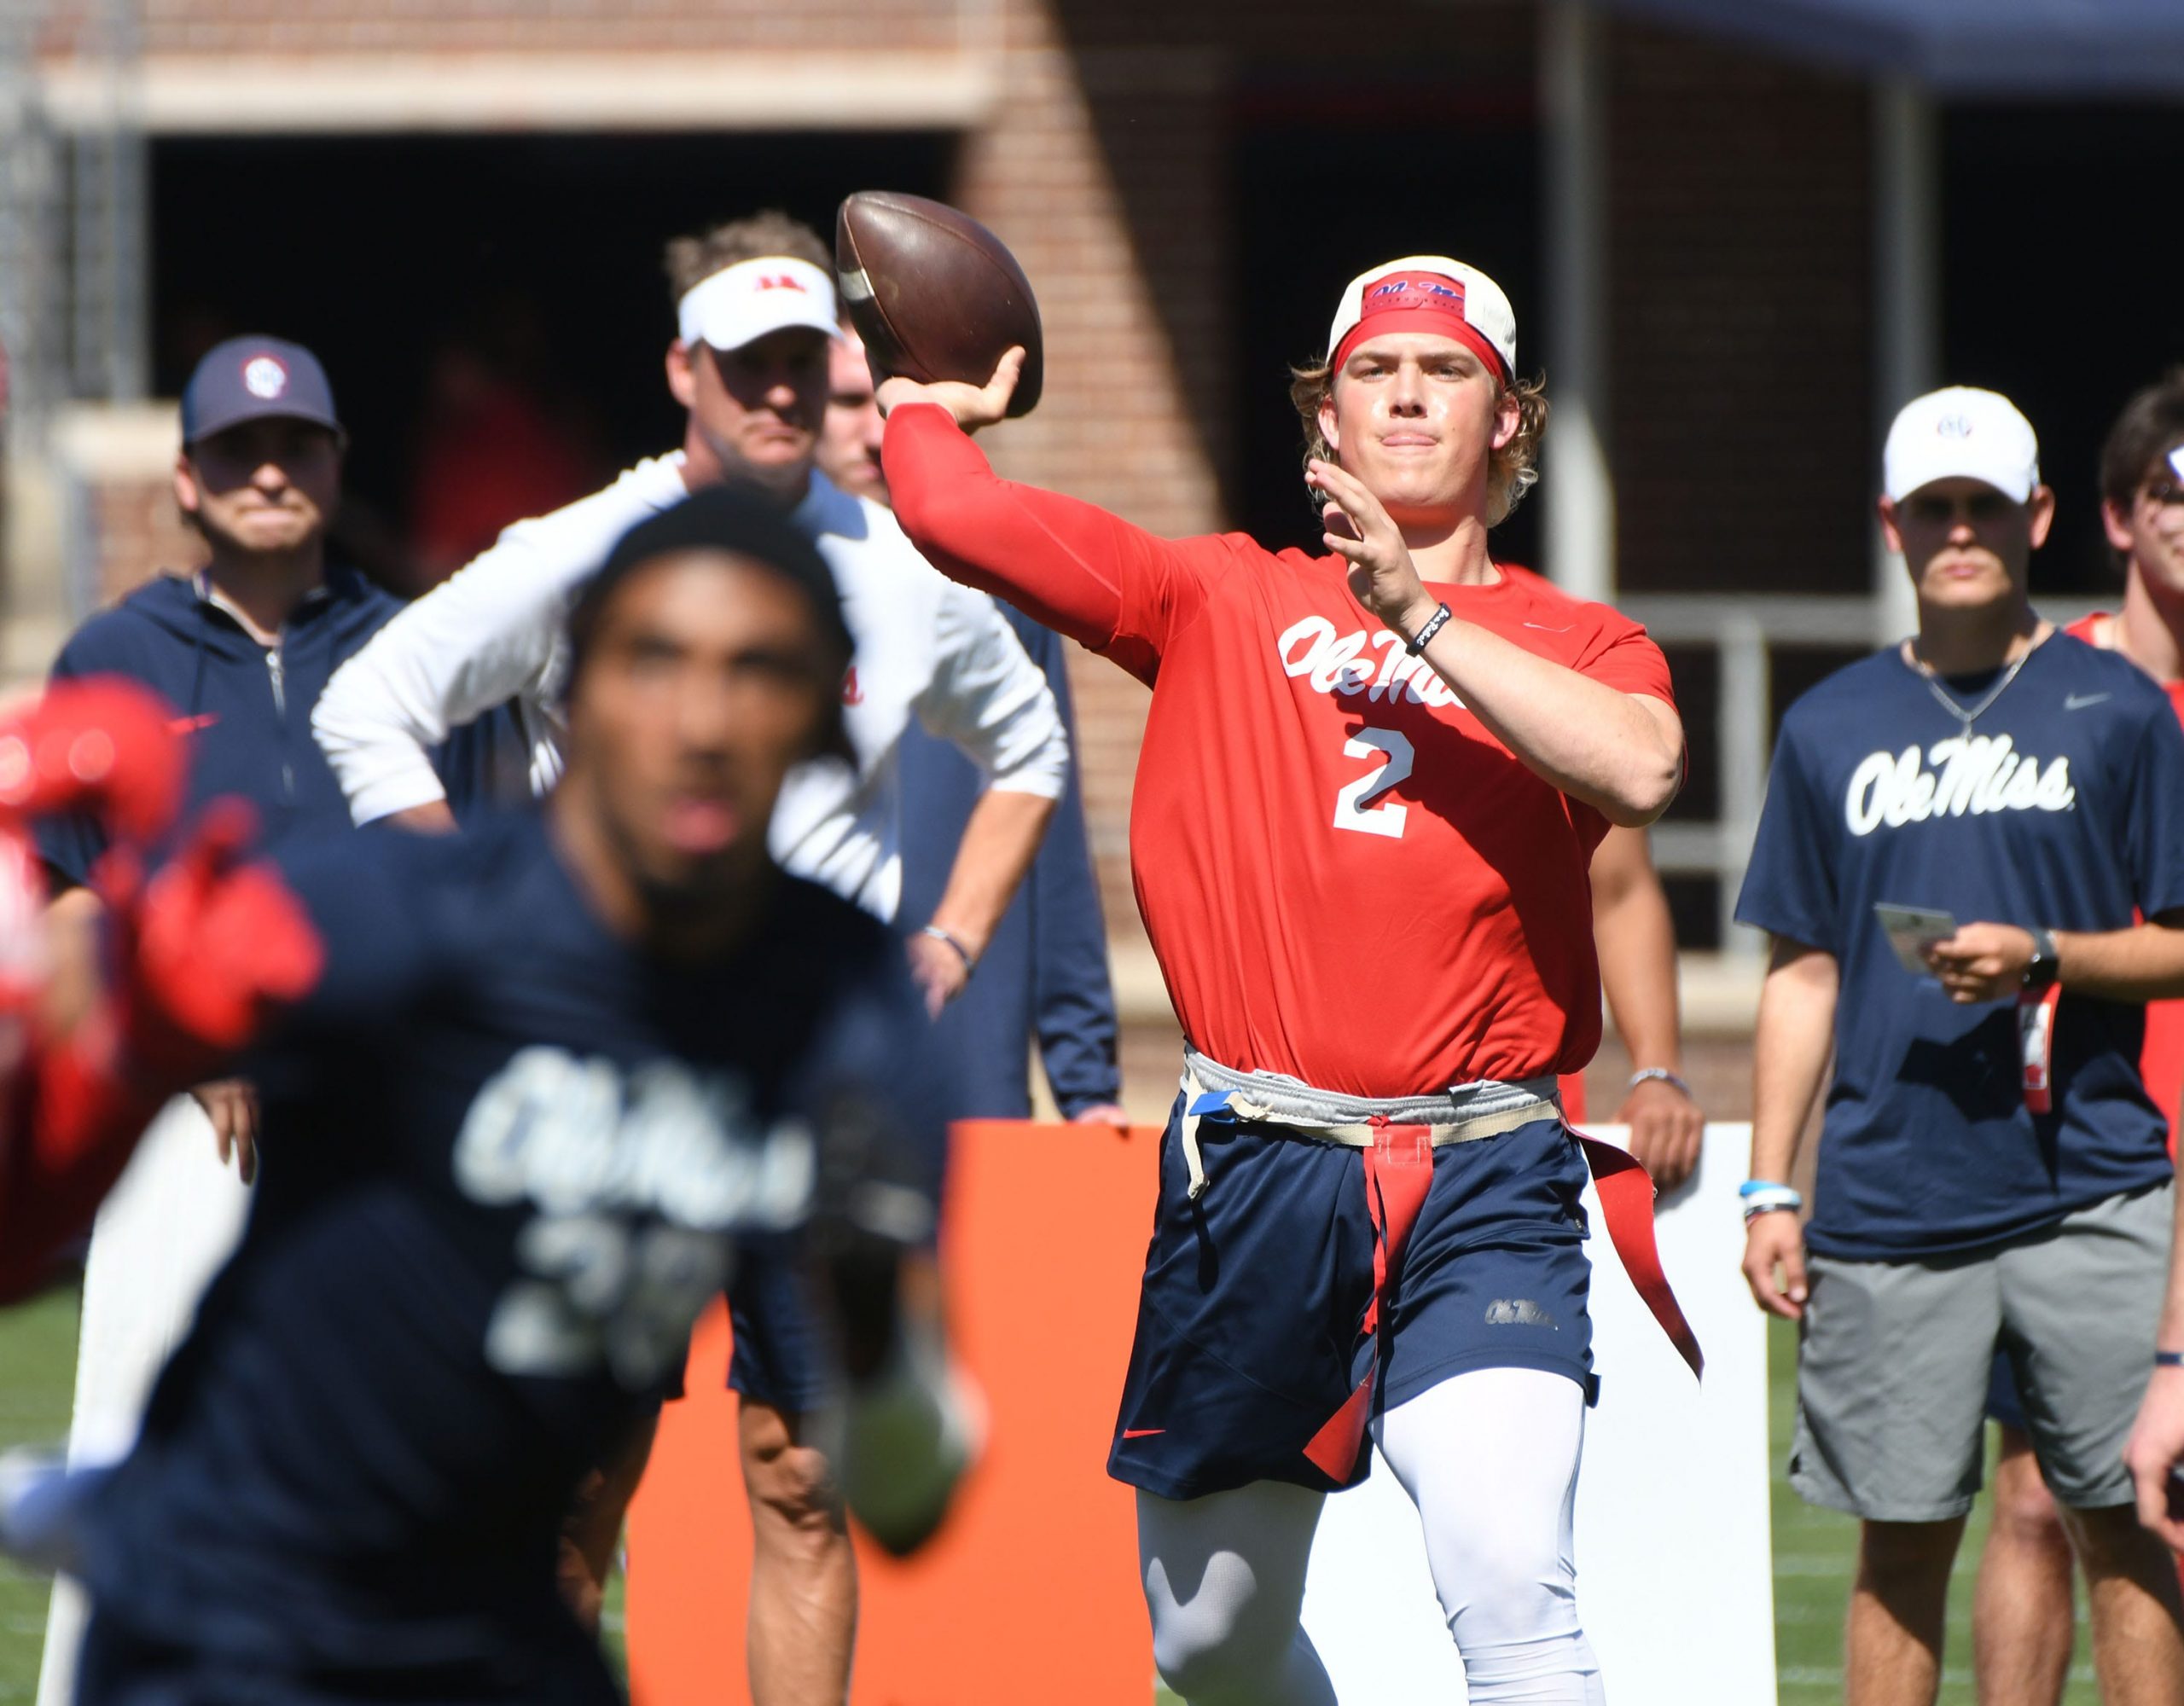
(1745, 630)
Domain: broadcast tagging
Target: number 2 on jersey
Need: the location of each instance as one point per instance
(1395, 753)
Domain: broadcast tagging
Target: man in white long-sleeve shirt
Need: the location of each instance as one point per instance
(756, 311)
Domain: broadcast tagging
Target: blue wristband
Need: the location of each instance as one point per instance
(1764, 1195)
(2169, 1358)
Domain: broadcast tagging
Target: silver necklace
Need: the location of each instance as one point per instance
(1947, 701)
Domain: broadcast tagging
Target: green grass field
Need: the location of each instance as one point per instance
(1812, 1548)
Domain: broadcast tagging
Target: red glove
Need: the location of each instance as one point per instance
(206, 951)
(101, 744)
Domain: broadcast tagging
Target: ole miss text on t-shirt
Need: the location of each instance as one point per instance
(1346, 878)
(2063, 808)
(522, 1153)
(2161, 1062)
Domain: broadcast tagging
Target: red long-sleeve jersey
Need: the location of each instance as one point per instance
(1346, 877)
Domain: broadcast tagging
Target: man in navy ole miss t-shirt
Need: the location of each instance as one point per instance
(1992, 1174)
(556, 1071)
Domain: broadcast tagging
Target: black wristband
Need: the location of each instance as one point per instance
(1434, 625)
(2046, 964)
(2169, 1358)
(970, 960)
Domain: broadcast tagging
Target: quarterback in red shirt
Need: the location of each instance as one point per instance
(1370, 787)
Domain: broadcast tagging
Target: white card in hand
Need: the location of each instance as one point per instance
(1912, 930)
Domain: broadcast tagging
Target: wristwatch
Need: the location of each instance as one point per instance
(2041, 970)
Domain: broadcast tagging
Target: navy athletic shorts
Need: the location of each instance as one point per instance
(783, 1354)
(1248, 1325)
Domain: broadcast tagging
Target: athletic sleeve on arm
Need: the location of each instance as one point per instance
(1069, 565)
(2154, 815)
(992, 701)
(1790, 887)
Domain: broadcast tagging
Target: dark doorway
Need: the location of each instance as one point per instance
(2057, 291)
(540, 254)
(1327, 188)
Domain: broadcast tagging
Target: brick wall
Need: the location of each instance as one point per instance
(1740, 320)
(140, 532)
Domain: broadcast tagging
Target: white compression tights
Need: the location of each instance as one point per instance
(1489, 1457)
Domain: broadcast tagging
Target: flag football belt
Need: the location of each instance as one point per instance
(1397, 1137)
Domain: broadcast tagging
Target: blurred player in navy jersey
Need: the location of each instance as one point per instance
(755, 313)
(241, 647)
(556, 1073)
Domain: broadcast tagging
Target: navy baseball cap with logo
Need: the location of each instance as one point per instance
(252, 378)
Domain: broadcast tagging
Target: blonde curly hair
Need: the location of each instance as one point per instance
(1511, 471)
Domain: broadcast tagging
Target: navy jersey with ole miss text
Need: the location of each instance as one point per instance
(520, 1157)
(2064, 808)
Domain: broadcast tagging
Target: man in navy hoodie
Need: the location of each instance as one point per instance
(240, 650)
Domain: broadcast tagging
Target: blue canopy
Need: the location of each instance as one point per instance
(2059, 48)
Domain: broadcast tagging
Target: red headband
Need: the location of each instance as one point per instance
(1418, 302)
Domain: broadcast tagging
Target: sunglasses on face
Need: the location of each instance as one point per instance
(1931, 509)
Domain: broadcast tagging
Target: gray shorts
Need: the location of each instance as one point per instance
(1894, 1358)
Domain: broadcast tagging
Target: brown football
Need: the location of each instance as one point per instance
(933, 293)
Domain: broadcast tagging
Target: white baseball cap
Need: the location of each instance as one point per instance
(741, 304)
(1427, 293)
(1961, 434)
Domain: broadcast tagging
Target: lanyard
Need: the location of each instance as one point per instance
(2035, 1043)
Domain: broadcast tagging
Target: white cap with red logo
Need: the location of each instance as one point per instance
(1961, 434)
(741, 304)
(1427, 293)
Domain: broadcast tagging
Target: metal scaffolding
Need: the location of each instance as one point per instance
(73, 221)
(31, 290)
(109, 352)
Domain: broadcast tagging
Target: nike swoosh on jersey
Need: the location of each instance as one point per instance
(190, 725)
(2080, 701)
(1141, 1433)
(1544, 628)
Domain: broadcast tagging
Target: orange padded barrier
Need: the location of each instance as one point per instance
(1030, 1591)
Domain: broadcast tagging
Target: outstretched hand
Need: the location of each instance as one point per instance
(1382, 577)
(973, 406)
